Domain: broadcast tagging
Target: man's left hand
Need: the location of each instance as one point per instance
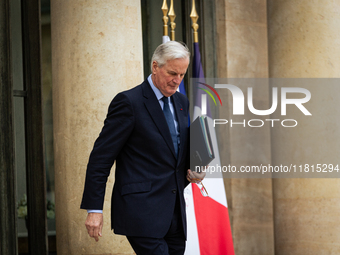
(195, 177)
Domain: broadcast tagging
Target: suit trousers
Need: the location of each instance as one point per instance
(173, 243)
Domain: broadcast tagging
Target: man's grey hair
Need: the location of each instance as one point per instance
(169, 51)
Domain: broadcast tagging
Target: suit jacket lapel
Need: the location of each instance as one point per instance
(152, 105)
(182, 123)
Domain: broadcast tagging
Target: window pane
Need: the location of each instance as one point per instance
(20, 166)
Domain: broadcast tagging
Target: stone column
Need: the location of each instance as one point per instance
(96, 53)
(243, 53)
(304, 42)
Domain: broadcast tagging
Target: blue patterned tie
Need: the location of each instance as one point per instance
(170, 120)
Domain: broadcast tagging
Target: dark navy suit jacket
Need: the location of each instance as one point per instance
(148, 175)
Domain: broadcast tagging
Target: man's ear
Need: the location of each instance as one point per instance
(154, 66)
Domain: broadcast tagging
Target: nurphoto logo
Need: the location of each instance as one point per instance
(238, 106)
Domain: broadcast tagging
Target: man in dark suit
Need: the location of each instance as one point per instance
(146, 133)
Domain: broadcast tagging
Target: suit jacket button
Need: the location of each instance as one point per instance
(174, 191)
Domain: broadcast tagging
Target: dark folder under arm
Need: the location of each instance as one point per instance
(201, 149)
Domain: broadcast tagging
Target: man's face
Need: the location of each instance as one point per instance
(168, 77)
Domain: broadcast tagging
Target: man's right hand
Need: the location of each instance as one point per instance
(94, 225)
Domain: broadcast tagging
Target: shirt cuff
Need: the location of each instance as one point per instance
(94, 211)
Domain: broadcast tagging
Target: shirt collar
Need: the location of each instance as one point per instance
(157, 92)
